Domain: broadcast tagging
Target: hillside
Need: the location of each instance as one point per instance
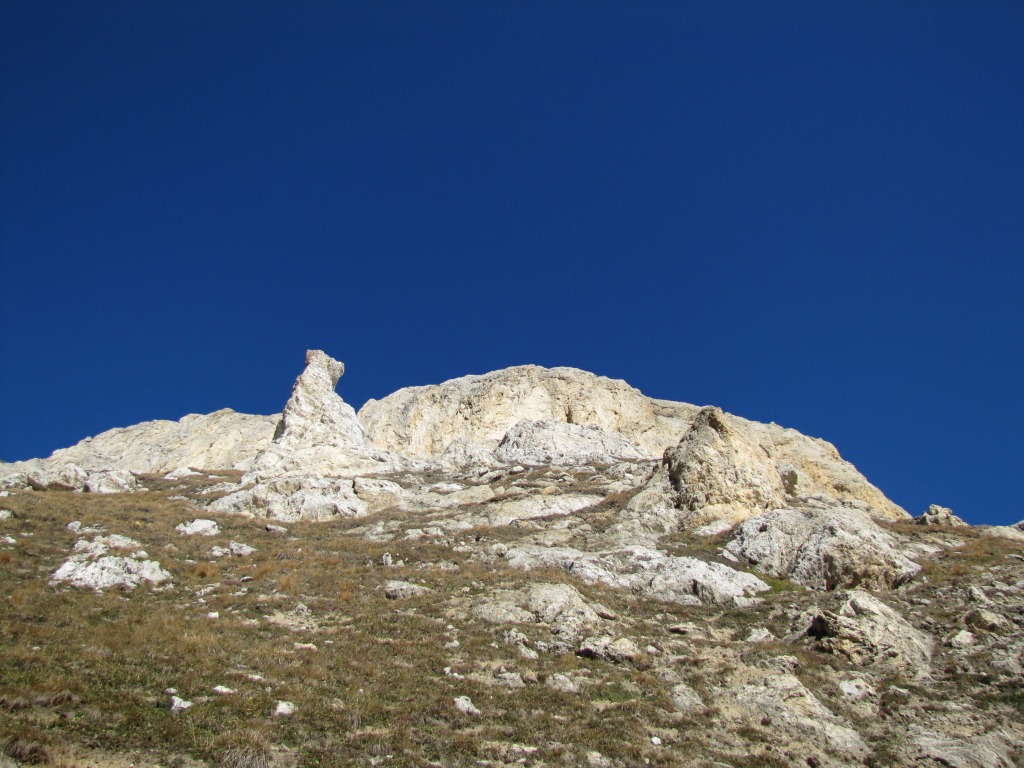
(532, 567)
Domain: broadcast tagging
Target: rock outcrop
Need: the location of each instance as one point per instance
(643, 571)
(823, 547)
(936, 515)
(318, 446)
(318, 432)
(718, 473)
(423, 421)
(868, 632)
(558, 443)
(219, 440)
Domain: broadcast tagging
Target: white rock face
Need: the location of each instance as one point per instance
(214, 441)
(559, 443)
(474, 413)
(823, 548)
(314, 414)
(869, 632)
(423, 421)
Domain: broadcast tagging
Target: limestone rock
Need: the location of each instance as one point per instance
(718, 473)
(645, 571)
(213, 441)
(111, 481)
(985, 750)
(295, 497)
(318, 432)
(792, 711)
(610, 649)
(559, 443)
(466, 706)
(936, 515)
(423, 421)
(179, 473)
(561, 607)
(198, 527)
(508, 511)
(479, 410)
(465, 454)
(686, 700)
(402, 590)
(69, 477)
(91, 567)
(869, 632)
(314, 414)
(824, 548)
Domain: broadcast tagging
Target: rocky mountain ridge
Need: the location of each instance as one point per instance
(568, 482)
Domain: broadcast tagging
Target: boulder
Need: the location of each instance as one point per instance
(610, 649)
(198, 527)
(91, 567)
(111, 481)
(936, 515)
(403, 590)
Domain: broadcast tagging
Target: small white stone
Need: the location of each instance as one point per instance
(284, 709)
(179, 705)
(198, 527)
(213, 615)
(466, 706)
(223, 690)
(655, 741)
(6, 514)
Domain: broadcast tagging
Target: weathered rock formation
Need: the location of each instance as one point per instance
(868, 632)
(423, 421)
(558, 442)
(219, 440)
(936, 515)
(823, 547)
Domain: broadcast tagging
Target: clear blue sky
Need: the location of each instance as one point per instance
(809, 213)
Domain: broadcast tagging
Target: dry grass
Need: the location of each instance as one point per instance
(87, 669)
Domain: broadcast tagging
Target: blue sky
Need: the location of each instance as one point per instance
(808, 213)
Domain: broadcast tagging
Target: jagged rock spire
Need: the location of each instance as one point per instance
(315, 414)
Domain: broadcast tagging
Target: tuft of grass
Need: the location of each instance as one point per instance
(248, 749)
